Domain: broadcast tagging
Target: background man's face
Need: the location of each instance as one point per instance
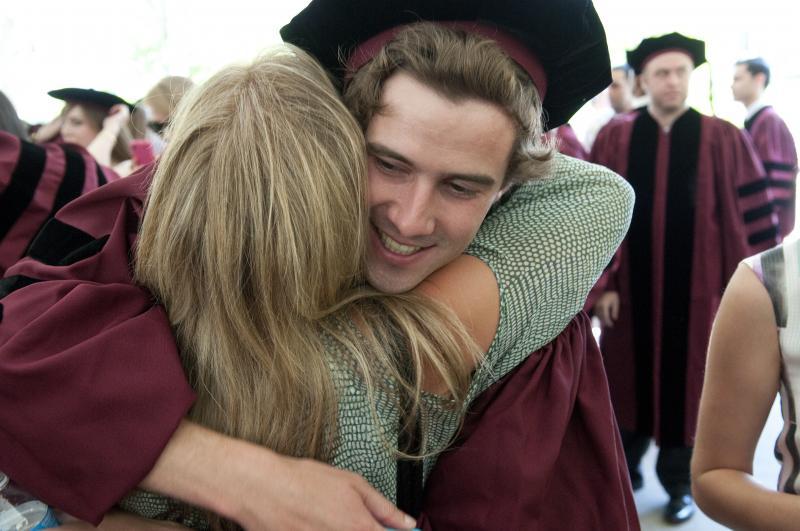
(435, 168)
(666, 80)
(620, 92)
(744, 84)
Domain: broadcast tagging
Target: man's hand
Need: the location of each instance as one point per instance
(308, 495)
(261, 490)
(607, 308)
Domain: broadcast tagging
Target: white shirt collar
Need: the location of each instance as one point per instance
(754, 108)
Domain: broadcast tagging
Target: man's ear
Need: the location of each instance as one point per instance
(762, 77)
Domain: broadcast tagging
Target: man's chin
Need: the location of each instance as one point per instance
(391, 284)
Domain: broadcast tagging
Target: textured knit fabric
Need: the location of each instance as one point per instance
(779, 270)
(546, 243)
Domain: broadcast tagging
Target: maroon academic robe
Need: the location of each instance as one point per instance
(540, 450)
(775, 147)
(35, 182)
(110, 392)
(568, 143)
(92, 385)
(702, 204)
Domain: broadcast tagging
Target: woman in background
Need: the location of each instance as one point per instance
(96, 121)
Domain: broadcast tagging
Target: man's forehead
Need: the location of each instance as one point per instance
(669, 60)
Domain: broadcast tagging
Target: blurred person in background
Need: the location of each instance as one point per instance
(9, 120)
(94, 120)
(701, 207)
(160, 104)
(620, 92)
(771, 137)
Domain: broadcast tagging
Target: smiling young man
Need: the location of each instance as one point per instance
(440, 154)
(702, 205)
(435, 168)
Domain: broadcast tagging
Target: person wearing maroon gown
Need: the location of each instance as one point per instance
(771, 137)
(548, 440)
(702, 205)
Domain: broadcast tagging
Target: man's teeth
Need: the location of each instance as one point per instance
(397, 247)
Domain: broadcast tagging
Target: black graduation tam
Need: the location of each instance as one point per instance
(565, 37)
(671, 42)
(80, 95)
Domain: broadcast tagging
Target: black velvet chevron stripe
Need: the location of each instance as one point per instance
(780, 166)
(11, 284)
(74, 179)
(641, 175)
(71, 185)
(60, 244)
(788, 202)
(781, 183)
(19, 193)
(762, 236)
(754, 214)
(753, 188)
(678, 258)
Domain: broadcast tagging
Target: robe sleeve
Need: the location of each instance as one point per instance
(35, 182)
(92, 384)
(749, 224)
(775, 146)
(547, 245)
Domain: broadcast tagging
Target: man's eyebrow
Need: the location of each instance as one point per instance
(383, 151)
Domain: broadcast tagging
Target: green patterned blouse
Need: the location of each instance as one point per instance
(547, 244)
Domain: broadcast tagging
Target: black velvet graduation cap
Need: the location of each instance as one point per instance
(654, 46)
(565, 37)
(80, 95)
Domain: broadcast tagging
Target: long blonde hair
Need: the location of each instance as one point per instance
(254, 240)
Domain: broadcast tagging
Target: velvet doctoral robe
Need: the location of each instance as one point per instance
(775, 147)
(702, 204)
(35, 182)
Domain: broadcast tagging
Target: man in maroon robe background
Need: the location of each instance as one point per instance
(701, 206)
(772, 140)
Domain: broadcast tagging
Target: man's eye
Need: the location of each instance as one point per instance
(385, 165)
(462, 191)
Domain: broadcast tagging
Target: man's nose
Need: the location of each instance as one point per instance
(414, 211)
